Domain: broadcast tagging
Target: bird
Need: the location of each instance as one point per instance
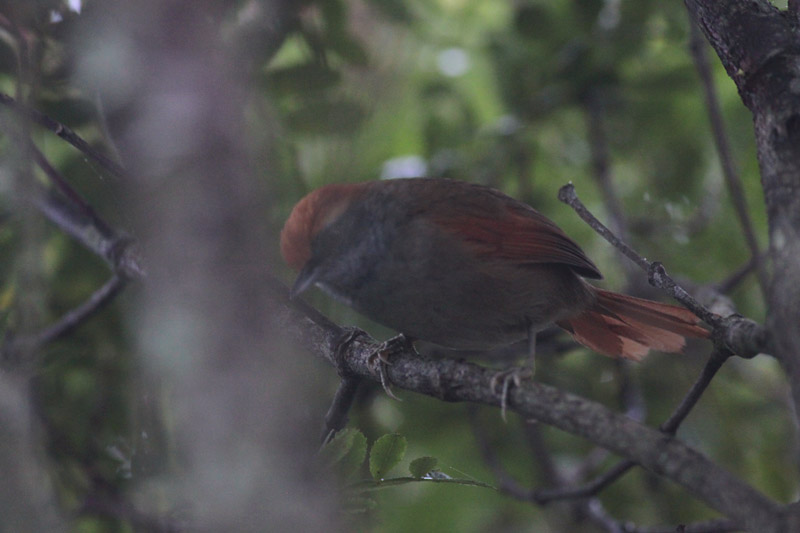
(465, 267)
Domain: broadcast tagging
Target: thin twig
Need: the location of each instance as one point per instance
(585, 490)
(657, 275)
(734, 279)
(74, 215)
(597, 513)
(697, 46)
(714, 363)
(505, 481)
(336, 417)
(117, 251)
(67, 190)
(669, 427)
(543, 458)
(68, 322)
(65, 133)
(720, 525)
(740, 335)
(592, 507)
(568, 195)
(72, 319)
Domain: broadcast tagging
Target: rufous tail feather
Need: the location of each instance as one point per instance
(622, 326)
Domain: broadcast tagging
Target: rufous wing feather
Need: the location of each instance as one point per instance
(524, 236)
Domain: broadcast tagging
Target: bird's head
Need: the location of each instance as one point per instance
(312, 215)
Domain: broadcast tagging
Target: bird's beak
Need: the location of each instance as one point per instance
(305, 279)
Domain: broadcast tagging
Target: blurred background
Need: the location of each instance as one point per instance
(180, 403)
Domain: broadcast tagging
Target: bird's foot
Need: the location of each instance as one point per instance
(342, 344)
(381, 358)
(501, 382)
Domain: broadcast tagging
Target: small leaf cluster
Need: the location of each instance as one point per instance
(346, 453)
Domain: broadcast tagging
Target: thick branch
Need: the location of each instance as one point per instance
(698, 46)
(458, 381)
(760, 50)
(669, 427)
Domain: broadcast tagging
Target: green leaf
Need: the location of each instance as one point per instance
(370, 485)
(354, 458)
(347, 450)
(421, 466)
(386, 453)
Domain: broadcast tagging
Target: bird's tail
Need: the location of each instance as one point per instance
(623, 326)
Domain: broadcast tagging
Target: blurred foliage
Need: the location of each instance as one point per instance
(491, 92)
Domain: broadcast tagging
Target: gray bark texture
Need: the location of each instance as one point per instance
(760, 49)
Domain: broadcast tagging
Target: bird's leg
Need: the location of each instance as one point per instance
(515, 374)
(380, 358)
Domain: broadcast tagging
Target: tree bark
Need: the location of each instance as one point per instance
(458, 381)
(235, 395)
(760, 50)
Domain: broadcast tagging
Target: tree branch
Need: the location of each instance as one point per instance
(697, 45)
(68, 322)
(740, 335)
(71, 194)
(336, 417)
(669, 427)
(64, 132)
(116, 249)
(458, 381)
(759, 48)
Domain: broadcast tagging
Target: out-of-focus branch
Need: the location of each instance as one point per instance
(66, 208)
(70, 193)
(69, 321)
(116, 249)
(697, 45)
(336, 417)
(669, 427)
(714, 363)
(591, 507)
(64, 132)
(737, 276)
(708, 526)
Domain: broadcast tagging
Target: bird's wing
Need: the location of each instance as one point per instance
(519, 234)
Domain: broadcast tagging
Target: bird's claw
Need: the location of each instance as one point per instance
(381, 358)
(501, 382)
(347, 337)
